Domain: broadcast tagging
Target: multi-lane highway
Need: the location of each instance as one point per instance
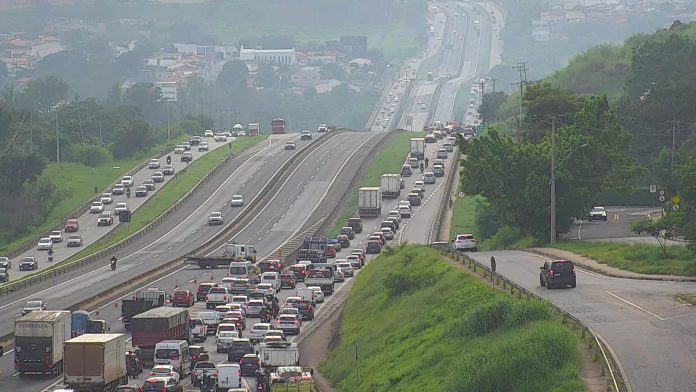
(90, 231)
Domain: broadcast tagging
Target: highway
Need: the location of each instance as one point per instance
(653, 336)
(89, 230)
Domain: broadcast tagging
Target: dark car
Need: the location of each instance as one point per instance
(203, 289)
(198, 353)
(373, 247)
(349, 232)
(158, 384)
(288, 280)
(414, 199)
(356, 224)
(249, 364)
(127, 388)
(239, 348)
(197, 372)
(28, 264)
(343, 240)
(306, 309)
(299, 270)
(557, 273)
(388, 223)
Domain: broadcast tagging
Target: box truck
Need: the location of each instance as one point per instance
(95, 362)
(391, 189)
(39, 338)
(417, 148)
(369, 202)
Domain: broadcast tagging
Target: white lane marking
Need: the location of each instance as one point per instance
(580, 230)
(636, 306)
(98, 270)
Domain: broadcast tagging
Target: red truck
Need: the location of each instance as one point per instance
(278, 126)
(158, 324)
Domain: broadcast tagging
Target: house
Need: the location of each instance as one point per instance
(219, 52)
(574, 16)
(320, 57)
(306, 76)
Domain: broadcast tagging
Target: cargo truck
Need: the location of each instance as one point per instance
(313, 249)
(391, 188)
(322, 275)
(156, 325)
(275, 354)
(253, 129)
(38, 341)
(369, 202)
(278, 126)
(144, 300)
(233, 252)
(95, 362)
(418, 148)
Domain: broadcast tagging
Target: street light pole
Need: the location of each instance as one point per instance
(553, 180)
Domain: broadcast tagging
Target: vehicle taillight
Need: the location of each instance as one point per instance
(165, 390)
(573, 269)
(296, 322)
(551, 272)
(309, 307)
(241, 362)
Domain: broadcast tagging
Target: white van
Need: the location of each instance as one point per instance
(273, 278)
(175, 353)
(242, 269)
(306, 294)
(229, 376)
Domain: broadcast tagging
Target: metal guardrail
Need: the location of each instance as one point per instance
(440, 221)
(51, 272)
(610, 368)
(30, 244)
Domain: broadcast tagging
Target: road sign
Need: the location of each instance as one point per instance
(409, 120)
(662, 192)
(661, 198)
(653, 188)
(461, 195)
(675, 207)
(676, 200)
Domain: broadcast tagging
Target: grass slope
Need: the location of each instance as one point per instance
(172, 192)
(75, 183)
(644, 259)
(388, 159)
(419, 324)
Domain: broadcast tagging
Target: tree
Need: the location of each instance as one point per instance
(541, 100)
(333, 71)
(18, 168)
(267, 77)
(115, 96)
(132, 138)
(491, 104)
(234, 75)
(44, 93)
(661, 229)
(144, 96)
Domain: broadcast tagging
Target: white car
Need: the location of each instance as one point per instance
(318, 294)
(153, 164)
(598, 213)
(165, 371)
(208, 133)
(388, 233)
(56, 236)
(215, 218)
(118, 189)
(127, 181)
(45, 244)
(203, 146)
(464, 242)
(179, 149)
(267, 289)
(394, 214)
(237, 201)
(258, 331)
(106, 198)
(254, 307)
(97, 207)
(120, 207)
(219, 138)
(224, 339)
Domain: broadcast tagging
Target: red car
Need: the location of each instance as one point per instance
(183, 298)
(72, 226)
(288, 280)
(330, 252)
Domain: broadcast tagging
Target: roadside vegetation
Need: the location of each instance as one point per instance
(171, 193)
(640, 258)
(419, 324)
(388, 159)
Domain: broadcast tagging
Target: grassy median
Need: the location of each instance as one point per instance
(388, 159)
(419, 324)
(640, 258)
(171, 193)
(75, 183)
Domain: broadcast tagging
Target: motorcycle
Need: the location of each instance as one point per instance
(50, 259)
(113, 266)
(134, 366)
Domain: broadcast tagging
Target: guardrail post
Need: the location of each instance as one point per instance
(519, 293)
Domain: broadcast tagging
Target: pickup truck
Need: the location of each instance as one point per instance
(210, 320)
(199, 330)
(321, 275)
(216, 296)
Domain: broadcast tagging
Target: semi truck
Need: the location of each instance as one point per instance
(253, 129)
(313, 249)
(278, 126)
(39, 338)
(369, 202)
(391, 188)
(153, 326)
(81, 323)
(95, 362)
(322, 275)
(275, 354)
(418, 148)
(233, 252)
(144, 300)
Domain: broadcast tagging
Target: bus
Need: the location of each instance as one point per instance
(278, 126)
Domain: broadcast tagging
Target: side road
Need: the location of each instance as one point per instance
(595, 266)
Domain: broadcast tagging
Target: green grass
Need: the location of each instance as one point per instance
(461, 102)
(463, 217)
(75, 183)
(171, 193)
(388, 159)
(644, 259)
(419, 324)
(686, 298)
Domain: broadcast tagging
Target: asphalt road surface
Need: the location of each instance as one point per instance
(89, 230)
(653, 336)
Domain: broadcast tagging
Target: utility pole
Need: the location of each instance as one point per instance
(101, 141)
(169, 130)
(482, 86)
(31, 132)
(553, 180)
(57, 140)
(674, 145)
(521, 67)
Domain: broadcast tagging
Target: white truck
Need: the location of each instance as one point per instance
(391, 188)
(276, 354)
(369, 202)
(38, 340)
(322, 275)
(216, 296)
(418, 148)
(95, 362)
(232, 252)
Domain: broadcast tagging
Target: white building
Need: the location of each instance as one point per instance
(278, 56)
(221, 52)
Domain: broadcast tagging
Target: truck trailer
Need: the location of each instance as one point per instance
(369, 202)
(39, 338)
(158, 324)
(233, 252)
(313, 249)
(95, 362)
(144, 300)
(275, 354)
(417, 148)
(391, 188)
(278, 126)
(253, 129)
